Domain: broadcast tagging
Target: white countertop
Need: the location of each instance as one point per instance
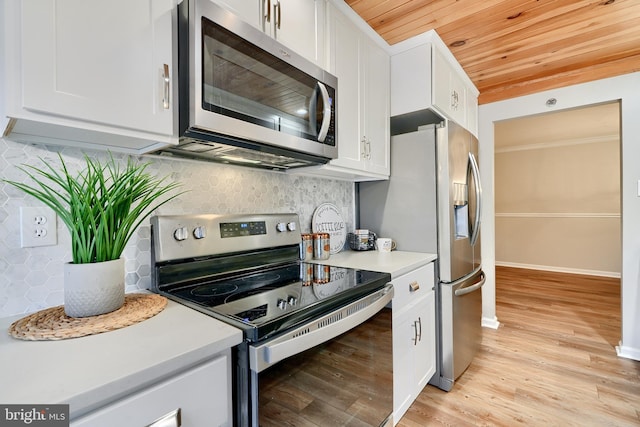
(91, 371)
(396, 263)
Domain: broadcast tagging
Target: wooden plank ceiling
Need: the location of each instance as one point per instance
(511, 48)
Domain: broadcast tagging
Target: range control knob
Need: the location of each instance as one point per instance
(180, 234)
(281, 226)
(200, 232)
(292, 301)
(291, 226)
(282, 304)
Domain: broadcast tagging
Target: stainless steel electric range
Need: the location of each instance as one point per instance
(245, 270)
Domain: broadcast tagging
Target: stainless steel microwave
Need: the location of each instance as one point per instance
(246, 99)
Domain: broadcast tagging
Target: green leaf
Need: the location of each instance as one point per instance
(102, 205)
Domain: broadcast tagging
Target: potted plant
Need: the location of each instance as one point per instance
(101, 206)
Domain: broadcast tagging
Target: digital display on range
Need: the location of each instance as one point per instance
(238, 229)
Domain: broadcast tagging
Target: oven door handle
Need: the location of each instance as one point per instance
(318, 331)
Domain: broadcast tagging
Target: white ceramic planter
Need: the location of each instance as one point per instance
(93, 289)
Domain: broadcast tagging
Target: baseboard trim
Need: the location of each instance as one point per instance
(488, 322)
(628, 352)
(600, 273)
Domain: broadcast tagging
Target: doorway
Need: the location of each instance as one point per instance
(557, 191)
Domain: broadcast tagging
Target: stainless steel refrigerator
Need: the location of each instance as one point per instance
(432, 203)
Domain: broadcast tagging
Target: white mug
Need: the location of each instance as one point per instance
(385, 244)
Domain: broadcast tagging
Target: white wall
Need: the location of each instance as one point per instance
(624, 88)
(557, 196)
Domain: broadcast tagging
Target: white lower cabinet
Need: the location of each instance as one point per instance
(414, 336)
(201, 394)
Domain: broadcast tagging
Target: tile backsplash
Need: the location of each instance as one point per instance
(31, 278)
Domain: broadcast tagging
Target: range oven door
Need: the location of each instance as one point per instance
(340, 364)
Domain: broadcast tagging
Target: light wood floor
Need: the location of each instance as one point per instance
(552, 361)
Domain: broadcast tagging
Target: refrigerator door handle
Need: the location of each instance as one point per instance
(467, 290)
(478, 189)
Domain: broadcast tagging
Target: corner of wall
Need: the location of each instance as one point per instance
(628, 352)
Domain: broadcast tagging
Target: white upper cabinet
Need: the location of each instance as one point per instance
(91, 72)
(411, 75)
(250, 11)
(472, 110)
(376, 110)
(297, 24)
(449, 93)
(362, 69)
(345, 63)
(425, 76)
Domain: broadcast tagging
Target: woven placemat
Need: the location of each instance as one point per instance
(53, 324)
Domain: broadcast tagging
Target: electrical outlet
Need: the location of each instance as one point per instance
(37, 227)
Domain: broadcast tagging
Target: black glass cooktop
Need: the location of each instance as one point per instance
(223, 291)
(264, 302)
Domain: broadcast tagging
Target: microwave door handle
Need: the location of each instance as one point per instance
(326, 113)
(478, 190)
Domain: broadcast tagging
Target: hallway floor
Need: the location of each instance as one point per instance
(552, 361)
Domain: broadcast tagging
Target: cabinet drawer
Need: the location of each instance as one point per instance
(411, 286)
(201, 393)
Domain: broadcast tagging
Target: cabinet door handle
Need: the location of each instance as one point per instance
(278, 6)
(415, 333)
(414, 286)
(366, 148)
(167, 85)
(454, 100)
(419, 328)
(267, 14)
(172, 419)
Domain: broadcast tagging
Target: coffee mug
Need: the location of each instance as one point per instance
(385, 244)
